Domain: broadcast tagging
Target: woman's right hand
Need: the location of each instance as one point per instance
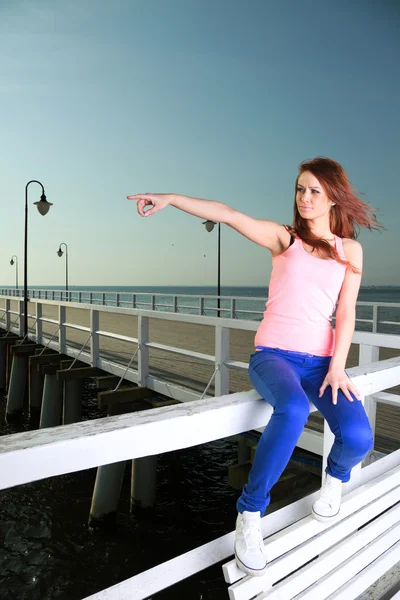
(155, 201)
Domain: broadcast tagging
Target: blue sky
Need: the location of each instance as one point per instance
(220, 99)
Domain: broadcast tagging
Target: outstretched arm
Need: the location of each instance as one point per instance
(268, 234)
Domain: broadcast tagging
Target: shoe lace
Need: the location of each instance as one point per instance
(253, 538)
(327, 492)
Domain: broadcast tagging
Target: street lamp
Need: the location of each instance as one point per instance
(12, 261)
(43, 207)
(60, 253)
(210, 226)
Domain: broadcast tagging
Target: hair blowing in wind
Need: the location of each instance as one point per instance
(348, 214)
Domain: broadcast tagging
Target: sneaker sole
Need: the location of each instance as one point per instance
(323, 518)
(248, 571)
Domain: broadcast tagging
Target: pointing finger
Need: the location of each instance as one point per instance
(138, 197)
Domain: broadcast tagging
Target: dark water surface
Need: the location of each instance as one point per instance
(47, 550)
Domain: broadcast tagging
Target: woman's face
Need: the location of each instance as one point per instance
(311, 199)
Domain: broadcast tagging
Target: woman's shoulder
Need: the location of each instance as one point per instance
(351, 244)
(351, 248)
(350, 241)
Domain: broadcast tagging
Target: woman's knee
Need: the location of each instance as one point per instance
(358, 441)
(294, 409)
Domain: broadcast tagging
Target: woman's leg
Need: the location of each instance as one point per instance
(276, 379)
(348, 422)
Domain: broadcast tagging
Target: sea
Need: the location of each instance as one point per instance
(47, 550)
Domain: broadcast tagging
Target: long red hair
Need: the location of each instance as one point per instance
(345, 218)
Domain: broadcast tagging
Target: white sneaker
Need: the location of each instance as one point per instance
(327, 507)
(249, 546)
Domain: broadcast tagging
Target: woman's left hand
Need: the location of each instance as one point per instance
(339, 380)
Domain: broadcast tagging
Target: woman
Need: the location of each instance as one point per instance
(298, 357)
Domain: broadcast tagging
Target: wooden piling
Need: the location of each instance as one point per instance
(72, 405)
(106, 493)
(3, 368)
(109, 478)
(52, 398)
(16, 391)
(36, 377)
(7, 341)
(143, 482)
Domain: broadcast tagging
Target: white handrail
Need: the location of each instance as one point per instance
(34, 455)
(101, 298)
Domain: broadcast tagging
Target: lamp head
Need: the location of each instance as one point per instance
(43, 206)
(12, 261)
(60, 252)
(209, 225)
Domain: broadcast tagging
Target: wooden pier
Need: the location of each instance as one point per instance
(189, 359)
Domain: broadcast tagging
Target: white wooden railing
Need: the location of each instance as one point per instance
(11, 319)
(233, 307)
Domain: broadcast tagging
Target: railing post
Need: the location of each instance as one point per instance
(103, 298)
(133, 300)
(233, 308)
(91, 298)
(52, 294)
(39, 324)
(117, 300)
(62, 337)
(94, 327)
(8, 316)
(201, 310)
(21, 318)
(175, 304)
(153, 302)
(143, 356)
(79, 297)
(221, 355)
(375, 318)
(368, 355)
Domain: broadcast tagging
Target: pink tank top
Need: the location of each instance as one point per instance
(302, 297)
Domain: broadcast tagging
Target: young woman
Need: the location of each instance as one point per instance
(298, 357)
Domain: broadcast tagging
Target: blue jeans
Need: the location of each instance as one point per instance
(288, 380)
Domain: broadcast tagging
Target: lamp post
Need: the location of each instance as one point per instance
(60, 253)
(12, 261)
(43, 207)
(210, 226)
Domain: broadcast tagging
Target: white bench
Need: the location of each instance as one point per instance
(310, 560)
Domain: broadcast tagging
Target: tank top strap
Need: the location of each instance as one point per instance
(339, 247)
